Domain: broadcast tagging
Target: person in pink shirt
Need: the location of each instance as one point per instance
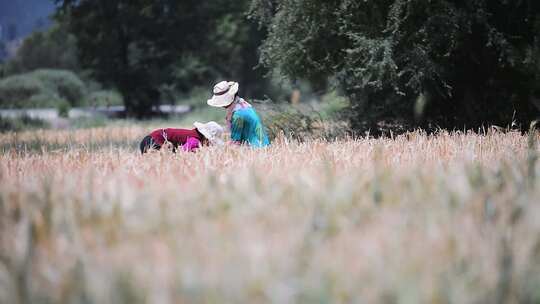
(187, 139)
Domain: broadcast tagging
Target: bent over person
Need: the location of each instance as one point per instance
(245, 125)
(187, 139)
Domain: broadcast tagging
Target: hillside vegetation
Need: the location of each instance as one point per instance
(51, 88)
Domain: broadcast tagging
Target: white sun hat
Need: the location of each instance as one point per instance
(224, 93)
(212, 131)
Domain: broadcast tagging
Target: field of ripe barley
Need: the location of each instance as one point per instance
(446, 218)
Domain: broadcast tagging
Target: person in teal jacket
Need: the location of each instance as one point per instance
(245, 125)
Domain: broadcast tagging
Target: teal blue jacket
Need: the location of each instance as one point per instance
(247, 128)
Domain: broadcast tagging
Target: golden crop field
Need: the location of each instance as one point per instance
(446, 218)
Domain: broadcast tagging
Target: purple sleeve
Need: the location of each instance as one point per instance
(191, 144)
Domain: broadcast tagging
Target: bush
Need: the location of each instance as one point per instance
(299, 122)
(63, 108)
(67, 84)
(41, 88)
(333, 105)
(43, 100)
(17, 91)
(292, 123)
(104, 98)
(21, 123)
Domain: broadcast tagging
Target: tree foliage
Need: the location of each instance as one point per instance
(449, 62)
(3, 55)
(147, 47)
(52, 49)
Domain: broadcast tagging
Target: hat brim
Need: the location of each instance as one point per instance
(221, 100)
(202, 129)
(224, 99)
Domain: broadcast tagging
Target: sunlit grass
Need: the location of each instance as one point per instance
(449, 218)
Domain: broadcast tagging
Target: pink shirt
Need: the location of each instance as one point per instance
(191, 144)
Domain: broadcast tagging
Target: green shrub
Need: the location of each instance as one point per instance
(16, 91)
(63, 108)
(43, 100)
(67, 84)
(104, 98)
(21, 123)
(291, 122)
(41, 88)
(333, 105)
(305, 121)
(299, 122)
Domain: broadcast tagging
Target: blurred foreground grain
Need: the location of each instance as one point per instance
(450, 218)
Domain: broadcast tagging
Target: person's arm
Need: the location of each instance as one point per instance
(237, 128)
(191, 144)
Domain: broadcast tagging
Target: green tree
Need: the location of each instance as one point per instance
(453, 63)
(52, 49)
(3, 55)
(143, 47)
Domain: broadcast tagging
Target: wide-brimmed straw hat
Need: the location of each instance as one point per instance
(224, 93)
(211, 130)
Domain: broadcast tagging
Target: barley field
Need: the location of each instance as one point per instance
(446, 218)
